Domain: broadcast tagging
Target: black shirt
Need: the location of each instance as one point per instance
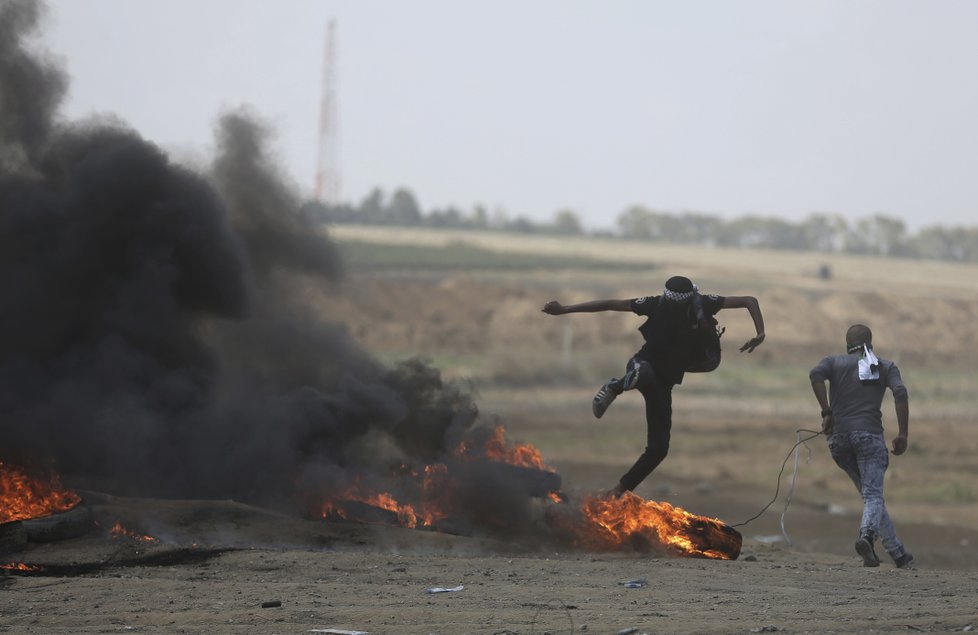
(670, 338)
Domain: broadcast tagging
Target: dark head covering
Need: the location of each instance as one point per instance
(679, 289)
(679, 284)
(857, 335)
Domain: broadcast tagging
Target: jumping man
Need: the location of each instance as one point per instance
(680, 335)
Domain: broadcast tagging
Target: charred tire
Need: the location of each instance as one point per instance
(13, 536)
(75, 522)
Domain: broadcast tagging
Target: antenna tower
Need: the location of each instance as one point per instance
(327, 187)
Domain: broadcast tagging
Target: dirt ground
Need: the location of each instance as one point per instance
(224, 560)
(217, 562)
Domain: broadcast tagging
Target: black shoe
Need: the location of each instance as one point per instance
(605, 396)
(905, 561)
(864, 547)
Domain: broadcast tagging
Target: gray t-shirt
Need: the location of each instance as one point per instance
(856, 405)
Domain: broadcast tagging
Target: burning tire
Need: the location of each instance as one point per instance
(75, 522)
(610, 523)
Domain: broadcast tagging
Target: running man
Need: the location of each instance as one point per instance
(853, 424)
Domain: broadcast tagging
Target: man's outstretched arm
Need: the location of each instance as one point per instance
(750, 303)
(592, 306)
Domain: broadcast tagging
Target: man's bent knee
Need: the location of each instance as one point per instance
(639, 375)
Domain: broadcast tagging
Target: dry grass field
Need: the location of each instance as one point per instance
(538, 372)
(470, 303)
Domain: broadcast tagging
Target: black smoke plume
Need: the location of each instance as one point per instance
(156, 336)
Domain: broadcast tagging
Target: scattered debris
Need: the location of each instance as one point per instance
(271, 604)
(337, 631)
(628, 631)
(765, 629)
(968, 628)
(439, 589)
(634, 584)
(835, 509)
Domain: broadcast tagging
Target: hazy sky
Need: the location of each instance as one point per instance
(725, 107)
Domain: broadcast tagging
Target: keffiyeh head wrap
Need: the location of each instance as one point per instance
(679, 289)
(674, 296)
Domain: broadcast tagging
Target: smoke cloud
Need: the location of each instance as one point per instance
(156, 334)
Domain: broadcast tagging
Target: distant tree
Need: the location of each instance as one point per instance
(567, 222)
(404, 209)
(480, 217)
(694, 228)
(450, 218)
(755, 232)
(499, 218)
(782, 234)
(824, 232)
(640, 223)
(959, 244)
(746, 231)
(522, 225)
(878, 235)
(372, 209)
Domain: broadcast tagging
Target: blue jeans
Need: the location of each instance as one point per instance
(864, 457)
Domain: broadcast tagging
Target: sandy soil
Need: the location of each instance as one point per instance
(222, 560)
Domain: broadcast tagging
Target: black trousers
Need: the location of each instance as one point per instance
(658, 418)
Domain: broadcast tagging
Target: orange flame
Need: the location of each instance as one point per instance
(497, 449)
(405, 514)
(23, 496)
(629, 519)
(435, 486)
(118, 531)
(19, 566)
(425, 513)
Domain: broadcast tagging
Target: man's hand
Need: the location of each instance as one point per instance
(827, 422)
(752, 343)
(553, 308)
(899, 444)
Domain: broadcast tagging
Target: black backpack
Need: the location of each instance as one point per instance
(706, 348)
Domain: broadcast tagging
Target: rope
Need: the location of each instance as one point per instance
(777, 489)
(791, 490)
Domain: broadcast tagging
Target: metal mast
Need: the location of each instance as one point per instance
(327, 187)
